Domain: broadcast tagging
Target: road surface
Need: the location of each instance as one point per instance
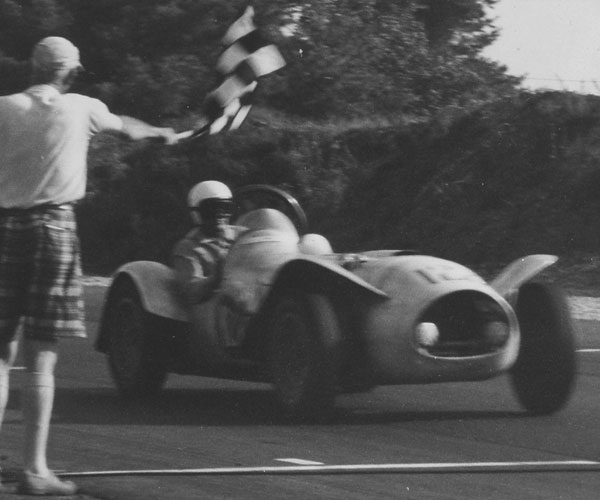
(449, 441)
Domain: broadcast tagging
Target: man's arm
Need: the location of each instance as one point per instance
(190, 279)
(137, 129)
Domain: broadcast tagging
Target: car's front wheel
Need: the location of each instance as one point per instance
(544, 374)
(134, 360)
(303, 354)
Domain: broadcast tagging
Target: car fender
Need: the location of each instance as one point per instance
(156, 285)
(519, 271)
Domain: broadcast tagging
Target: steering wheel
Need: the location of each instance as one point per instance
(255, 196)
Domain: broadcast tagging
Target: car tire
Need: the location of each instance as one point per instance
(133, 357)
(304, 354)
(544, 374)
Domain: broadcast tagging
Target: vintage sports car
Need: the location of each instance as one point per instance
(314, 323)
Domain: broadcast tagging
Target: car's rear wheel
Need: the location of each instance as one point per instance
(303, 354)
(544, 374)
(133, 357)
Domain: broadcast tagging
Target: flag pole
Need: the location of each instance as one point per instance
(193, 133)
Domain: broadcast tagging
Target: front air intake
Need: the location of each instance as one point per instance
(462, 324)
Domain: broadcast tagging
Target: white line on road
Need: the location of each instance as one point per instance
(407, 468)
(588, 350)
(298, 461)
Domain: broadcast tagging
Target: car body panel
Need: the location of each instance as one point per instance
(414, 283)
(389, 319)
(156, 284)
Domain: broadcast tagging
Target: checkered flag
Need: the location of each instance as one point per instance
(247, 57)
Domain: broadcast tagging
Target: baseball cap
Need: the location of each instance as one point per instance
(55, 52)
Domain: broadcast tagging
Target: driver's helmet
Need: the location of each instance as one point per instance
(210, 202)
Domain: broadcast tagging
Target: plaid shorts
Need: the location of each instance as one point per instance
(40, 274)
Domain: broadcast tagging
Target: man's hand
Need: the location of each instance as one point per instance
(168, 135)
(137, 130)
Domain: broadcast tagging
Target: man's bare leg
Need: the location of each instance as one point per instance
(37, 401)
(8, 353)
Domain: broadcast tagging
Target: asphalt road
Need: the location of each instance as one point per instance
(469, 441)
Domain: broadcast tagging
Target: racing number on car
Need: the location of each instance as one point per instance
(439, 274)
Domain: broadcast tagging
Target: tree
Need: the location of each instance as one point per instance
(374, 57)
(349, 57)
(457, 32)
(152, 58)
(346, 58)
(457, 22)
(21, 25)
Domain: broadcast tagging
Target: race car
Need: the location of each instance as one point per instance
(316, 323)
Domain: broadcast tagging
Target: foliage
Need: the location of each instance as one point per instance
(375, 66)
(155, 58)
(514, 177)
(349, 58)
(353, 58)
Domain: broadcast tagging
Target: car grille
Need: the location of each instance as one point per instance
(462, 324)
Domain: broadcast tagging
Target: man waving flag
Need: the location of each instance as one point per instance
(247, 57)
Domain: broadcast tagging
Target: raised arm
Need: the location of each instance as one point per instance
(137, 130)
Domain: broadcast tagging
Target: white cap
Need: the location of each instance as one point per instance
(55, 52)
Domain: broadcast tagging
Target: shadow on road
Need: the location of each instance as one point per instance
(211, 407)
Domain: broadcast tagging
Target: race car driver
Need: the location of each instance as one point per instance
(198, 257)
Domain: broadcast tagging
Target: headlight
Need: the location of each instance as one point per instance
(427, 334)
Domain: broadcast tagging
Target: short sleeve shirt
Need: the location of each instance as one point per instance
(44, 140)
